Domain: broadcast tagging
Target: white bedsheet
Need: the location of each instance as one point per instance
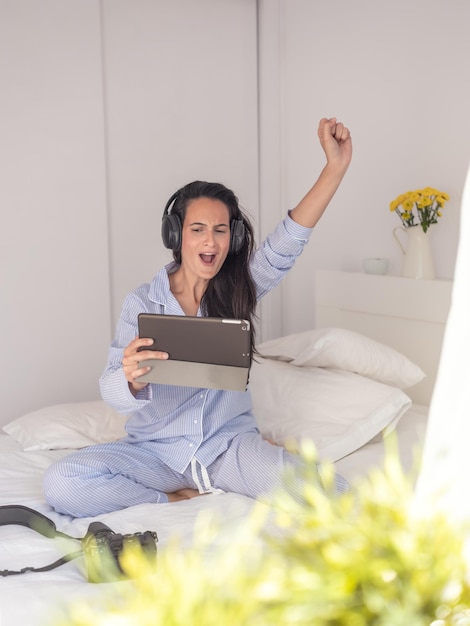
(409, 435)
(30, 599)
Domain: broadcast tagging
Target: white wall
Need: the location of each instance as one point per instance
(55, 307)
(395, 72)
(106, 109)
(181, 104)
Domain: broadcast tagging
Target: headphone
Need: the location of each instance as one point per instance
(172, 230)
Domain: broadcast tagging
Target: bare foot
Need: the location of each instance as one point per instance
(183, 494)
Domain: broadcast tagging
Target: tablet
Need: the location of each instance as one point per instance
(204, 352)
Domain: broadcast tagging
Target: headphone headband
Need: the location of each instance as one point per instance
(169, 203)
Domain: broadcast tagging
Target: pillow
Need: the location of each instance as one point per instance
(339, 411)
(343, 349)
(74, 425)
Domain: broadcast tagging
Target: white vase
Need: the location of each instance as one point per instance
(418, 261)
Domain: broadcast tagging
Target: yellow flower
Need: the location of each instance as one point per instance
(442, 198)
(423, 201)
(419, 207)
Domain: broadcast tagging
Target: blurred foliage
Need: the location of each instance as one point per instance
(359, 559)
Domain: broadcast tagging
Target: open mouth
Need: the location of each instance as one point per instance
(207, 259)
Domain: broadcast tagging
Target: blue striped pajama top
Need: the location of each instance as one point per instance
(187, 422)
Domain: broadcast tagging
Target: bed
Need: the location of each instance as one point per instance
(362, 374)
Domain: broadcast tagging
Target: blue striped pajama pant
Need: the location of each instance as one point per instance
(111, 476)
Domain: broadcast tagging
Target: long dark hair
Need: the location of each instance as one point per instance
(231, 293)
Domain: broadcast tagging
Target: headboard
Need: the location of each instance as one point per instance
(406, 314)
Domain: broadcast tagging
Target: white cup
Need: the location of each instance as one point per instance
(375, 266)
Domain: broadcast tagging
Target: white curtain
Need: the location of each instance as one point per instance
(444, 480)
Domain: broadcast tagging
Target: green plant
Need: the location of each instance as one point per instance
(419, 207)
(361, 559)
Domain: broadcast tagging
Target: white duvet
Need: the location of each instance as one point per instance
(31, 599)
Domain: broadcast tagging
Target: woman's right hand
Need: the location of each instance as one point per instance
(132, 355)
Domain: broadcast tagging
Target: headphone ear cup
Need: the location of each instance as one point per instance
(237, 236)
(171, 232)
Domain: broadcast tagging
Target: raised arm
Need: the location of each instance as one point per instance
(335, 140)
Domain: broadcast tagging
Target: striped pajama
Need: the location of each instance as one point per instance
(112, 476)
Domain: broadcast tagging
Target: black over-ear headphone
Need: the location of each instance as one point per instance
(172, 227)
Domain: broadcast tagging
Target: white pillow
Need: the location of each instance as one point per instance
(74, 425)
(339, 411)
(343, 349)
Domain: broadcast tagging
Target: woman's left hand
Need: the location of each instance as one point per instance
(335, 140)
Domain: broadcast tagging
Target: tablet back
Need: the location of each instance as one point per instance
(207, 352)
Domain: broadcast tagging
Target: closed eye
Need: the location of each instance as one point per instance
(200, 229)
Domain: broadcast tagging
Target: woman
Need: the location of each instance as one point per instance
(185, 441)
